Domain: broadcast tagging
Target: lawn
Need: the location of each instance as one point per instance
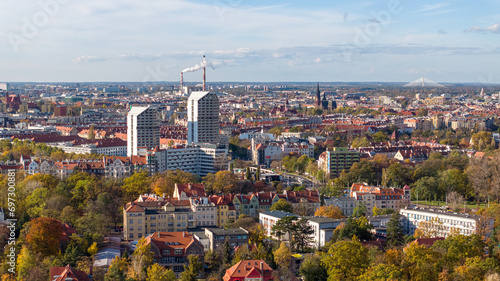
(470, 205)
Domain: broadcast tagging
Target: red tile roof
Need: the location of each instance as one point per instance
(64, 273)
(249, 269)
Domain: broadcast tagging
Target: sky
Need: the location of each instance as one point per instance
(250, 40)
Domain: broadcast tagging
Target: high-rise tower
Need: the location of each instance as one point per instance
(318, 97)
(143, 129)
(203, 118)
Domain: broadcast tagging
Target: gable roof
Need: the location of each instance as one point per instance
(249, 268)
(67, 272)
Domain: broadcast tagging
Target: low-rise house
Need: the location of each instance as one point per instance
(68, 273)
(235, 237)
(226, 212)
(249, 270)
(171, 249)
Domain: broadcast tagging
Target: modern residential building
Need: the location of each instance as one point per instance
(269, 219)
(380, 197)
(249, 270)
(235, 237)
(203, 118)
(336, 160)
(443, 222)
(171, 249)
(143, 129)
(323, 229)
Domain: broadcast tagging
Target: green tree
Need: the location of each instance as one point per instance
(157, 272)
(282, 205)
(420, 263)
(383, 272)
(164, 183)
(191, 270)
(346, 260)
(117, 270)
(283, 226)
(135, 185)
(223, 182)
(257, 174)
(359, 227)
(91, 133)
(25, 261)
(395, 234)
(312, 269)
(301, 235)
(458, 248)
(380, 136)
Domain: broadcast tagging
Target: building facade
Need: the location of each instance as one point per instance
(203, 118)
(143, 129)
(336, 160)
(443, 223)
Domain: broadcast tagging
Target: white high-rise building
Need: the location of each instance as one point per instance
(143, 129)
(203, 118)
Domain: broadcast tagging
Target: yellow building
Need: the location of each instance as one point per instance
(149, 214)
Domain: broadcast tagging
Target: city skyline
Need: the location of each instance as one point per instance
(248, 41)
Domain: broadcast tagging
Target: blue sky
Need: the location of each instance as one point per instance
(153, 40)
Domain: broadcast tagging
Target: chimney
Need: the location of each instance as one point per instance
(182, 82)
(262, 267)
(204, 74)
(183, 234)
(190, 186)
(204, 79)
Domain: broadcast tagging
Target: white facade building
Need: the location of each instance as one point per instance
(203, 118)
(447, 222)
(143, 129)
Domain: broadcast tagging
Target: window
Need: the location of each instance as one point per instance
(139, 220)
(131, 221)
(178, 251)
(131, 236)
(131, 229)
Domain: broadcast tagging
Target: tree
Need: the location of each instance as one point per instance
(420, 263)
(223, 182)
(346, 260)
(429, 229)
(135, 185)
(282, 205)
(301, 234)
(395, 234)
(191, 270)
(44, 235)
(92, 250)
(283, 226)
(282, 255)
(458, 248)
(117, 269)
(383, 272)
(454, 200)
(312, 269)
(257, 173)
(359, 227)
(157, 272)
(359, 210)
(422, 112)
(25, 261)
(375, 211)
(142, 258)
(91, 133)
(164, 183)
(380, 136)
(248, 176)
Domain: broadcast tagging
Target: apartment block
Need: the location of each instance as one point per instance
(336, 160)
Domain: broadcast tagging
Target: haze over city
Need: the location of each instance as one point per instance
(387, 41)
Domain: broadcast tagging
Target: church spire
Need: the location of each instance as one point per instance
(318, 96)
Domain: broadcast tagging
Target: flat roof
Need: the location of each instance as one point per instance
(219, 231)
(440, 212)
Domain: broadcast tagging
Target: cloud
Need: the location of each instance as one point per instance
(492, 29)
(442, 31)
(432, 7)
